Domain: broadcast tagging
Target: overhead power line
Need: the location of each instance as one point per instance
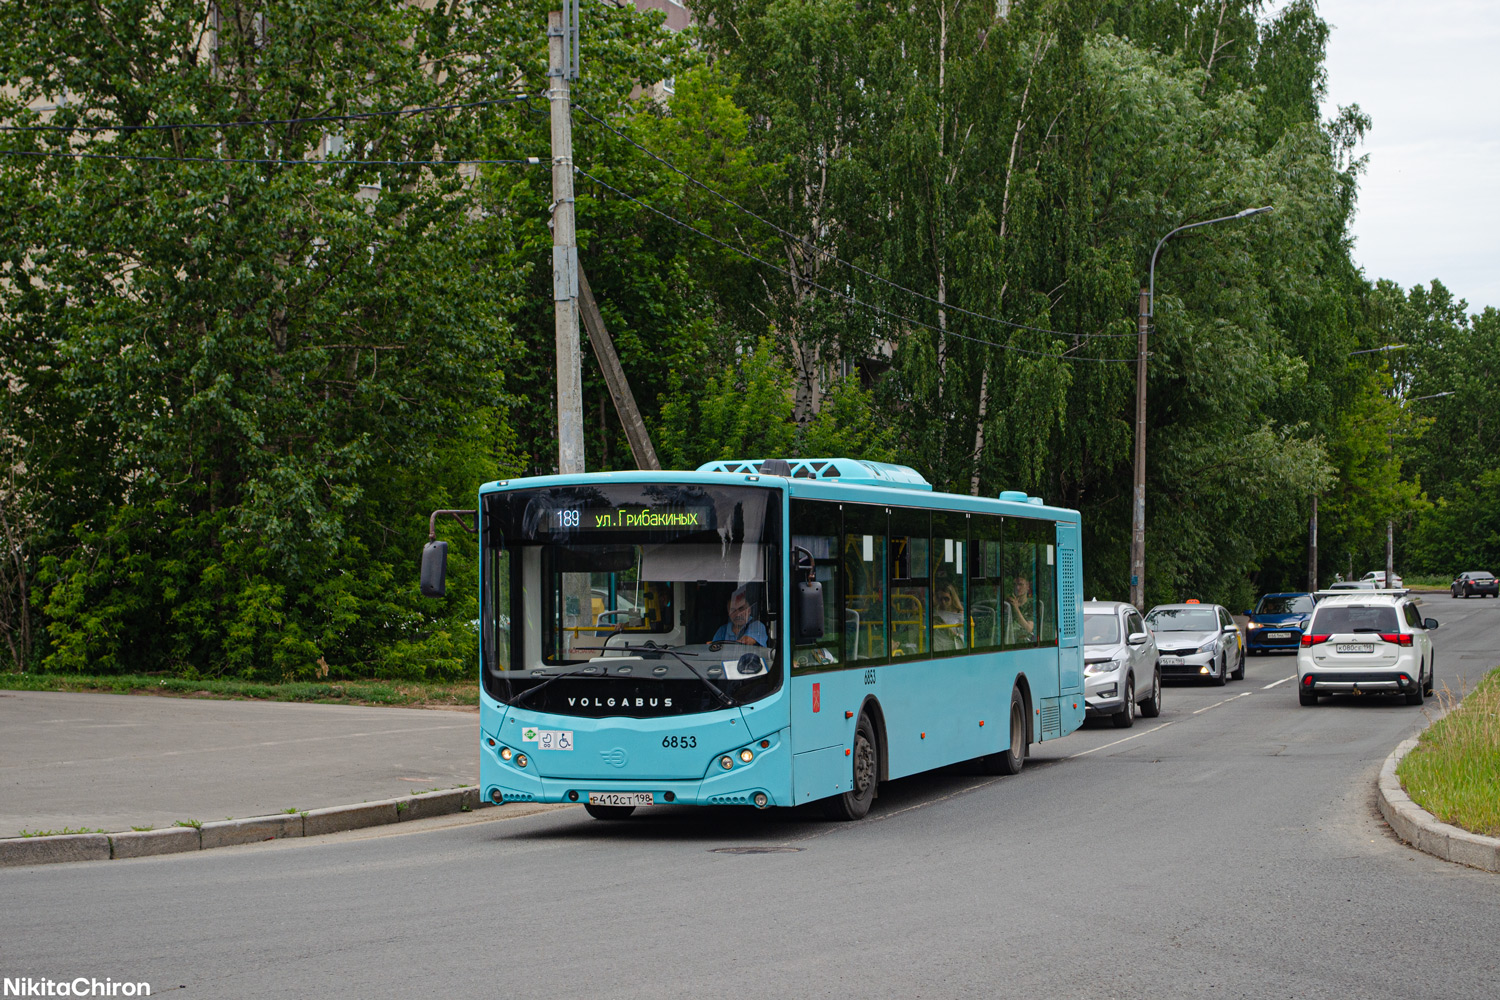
(307, 119)
(830, 255)
(844, 295)
(266, 161)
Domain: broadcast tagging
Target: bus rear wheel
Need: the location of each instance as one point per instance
(608, 812)
(865, 759)
(1009, 760)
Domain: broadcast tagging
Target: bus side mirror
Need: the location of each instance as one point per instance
(435, 569)
(809, 608)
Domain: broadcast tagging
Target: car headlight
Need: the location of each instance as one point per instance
(1107, 667)
(1254, 625)
(1209, 646)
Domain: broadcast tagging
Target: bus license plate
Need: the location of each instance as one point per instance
(1355, 647)
(620, 799)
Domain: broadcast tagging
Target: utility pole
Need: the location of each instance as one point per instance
(1138, 507)
(565, 246)
(1390, 553)
(1312, 547)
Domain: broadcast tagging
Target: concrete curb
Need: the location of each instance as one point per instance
(19, 851)
(1422, 830)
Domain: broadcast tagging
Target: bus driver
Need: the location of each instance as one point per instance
(742, 627)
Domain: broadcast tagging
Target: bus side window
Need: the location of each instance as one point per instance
(1046, 584)
(864, 552)
(911, 600)
(816, 526)
(950, 616)
(984, 580)
(1019, 609)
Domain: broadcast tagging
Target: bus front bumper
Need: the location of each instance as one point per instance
(764, 781)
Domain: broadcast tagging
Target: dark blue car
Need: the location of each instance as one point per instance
(1277, 623)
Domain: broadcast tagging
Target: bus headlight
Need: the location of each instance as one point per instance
(506, 753)
(747, 755)
(520, 760)
(726, 762)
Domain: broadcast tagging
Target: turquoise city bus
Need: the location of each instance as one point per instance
(768, 633)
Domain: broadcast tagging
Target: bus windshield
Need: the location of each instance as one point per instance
(635, 599)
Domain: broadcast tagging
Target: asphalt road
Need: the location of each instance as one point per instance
(1229, 848)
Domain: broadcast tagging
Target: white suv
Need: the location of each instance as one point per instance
(1365, 642)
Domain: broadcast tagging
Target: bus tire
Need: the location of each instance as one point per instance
(1009, 761)
(864, 775)
(608, 812)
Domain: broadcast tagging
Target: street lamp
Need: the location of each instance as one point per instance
(1377, 350)
(1147, 312)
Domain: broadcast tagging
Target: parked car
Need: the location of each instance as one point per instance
(1366, 644)
(1277, 622)
(1197, 640)
(1476, 582)
(1377, 577)
(1120, 673)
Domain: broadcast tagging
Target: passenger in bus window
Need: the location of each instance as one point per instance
(743, 626)
(948, 617)
(1020, 613)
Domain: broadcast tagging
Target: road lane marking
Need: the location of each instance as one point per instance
(1226, 701)
(1148, 732)
(1282, 681)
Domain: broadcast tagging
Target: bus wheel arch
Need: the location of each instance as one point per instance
(871, 708)
(1027, 709)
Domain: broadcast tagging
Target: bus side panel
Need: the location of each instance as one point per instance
(824, 710)
(818, 774)
(934, 710)
(819, 702)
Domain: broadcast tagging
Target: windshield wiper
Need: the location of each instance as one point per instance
(652, 649)
(576, 672)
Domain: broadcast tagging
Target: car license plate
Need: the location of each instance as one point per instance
(1355, 647)
(1278, 635)
(1170, 661)
(620, 799)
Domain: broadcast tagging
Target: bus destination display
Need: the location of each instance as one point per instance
(629, 518)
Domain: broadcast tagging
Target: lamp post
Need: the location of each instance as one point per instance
(1147, 311)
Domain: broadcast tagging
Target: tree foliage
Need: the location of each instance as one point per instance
(235, 382)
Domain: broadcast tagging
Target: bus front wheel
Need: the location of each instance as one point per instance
(1009, 760)
(608, 812)
(865, 757)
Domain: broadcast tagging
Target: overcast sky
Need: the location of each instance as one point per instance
(1428, 75)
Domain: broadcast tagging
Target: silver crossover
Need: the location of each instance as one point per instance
(1198, 640)
(1119, 663)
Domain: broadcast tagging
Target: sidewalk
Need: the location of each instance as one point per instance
(117, 762)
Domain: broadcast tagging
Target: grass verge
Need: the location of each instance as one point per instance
(1454, 770)
(407, 694)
